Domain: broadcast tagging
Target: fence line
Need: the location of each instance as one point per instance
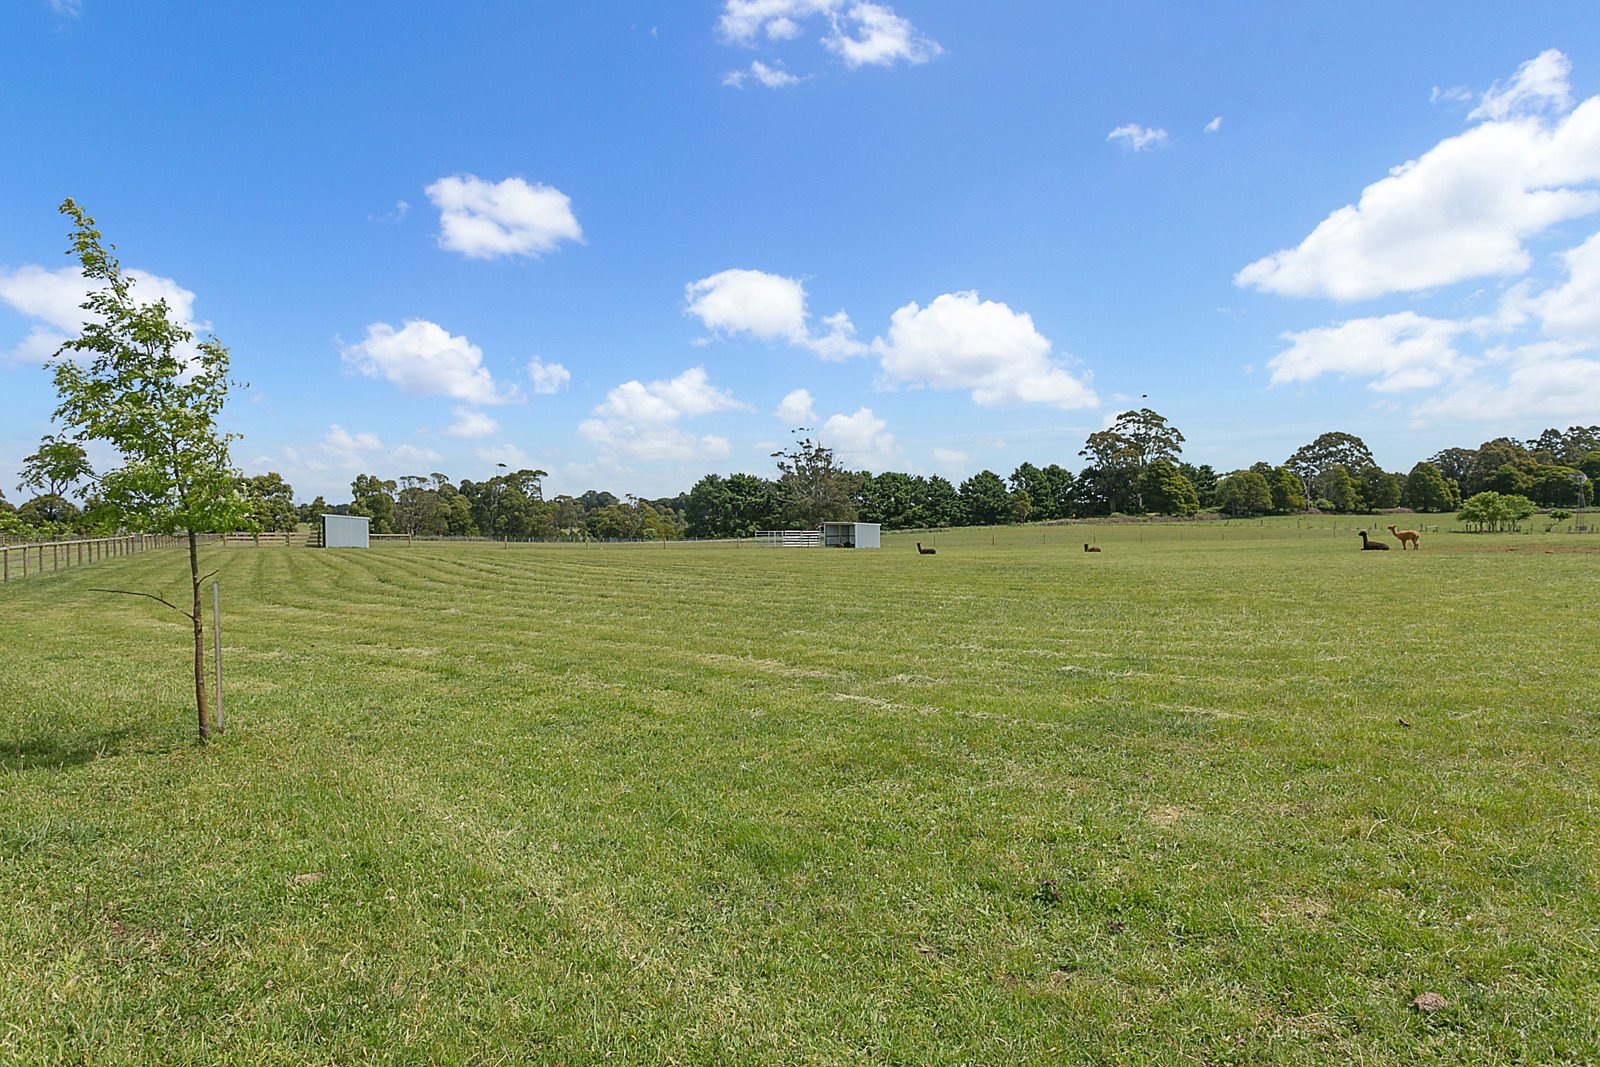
(289, 538)
(19, 561)
(293, 538)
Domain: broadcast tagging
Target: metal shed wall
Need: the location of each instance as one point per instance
(850, 535)
(344, 531)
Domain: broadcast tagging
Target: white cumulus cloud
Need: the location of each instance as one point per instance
(1467, 208)
(744, 21)
(1138, 137)
(424, 359)
(343, 451)
(861, 33)
(860, 439)
(547, 378)
(1214, 125)
(641, 420)
(1540, 84)
(768, 307)
(483, 220)
(782, 29)
(769, 77)
(470, 423)
(796, 408)
(1399, 352)
(1573, 308)
(1463, 209)
(52, 299)
(868, 34)
(961, 342)
(1547, 381)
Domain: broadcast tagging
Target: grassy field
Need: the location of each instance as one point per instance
(1216, 795)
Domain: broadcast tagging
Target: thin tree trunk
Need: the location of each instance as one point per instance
(199, 642)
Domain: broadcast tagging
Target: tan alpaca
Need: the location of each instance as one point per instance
(1407, 535)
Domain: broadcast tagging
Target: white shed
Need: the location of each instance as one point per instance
(850, 535)
(344, 531)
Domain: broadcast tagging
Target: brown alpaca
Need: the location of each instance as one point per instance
(1090, 548)
(1373, 546)
(1407, 535)
(926, 551)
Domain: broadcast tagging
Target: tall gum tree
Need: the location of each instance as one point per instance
(1121, 452)
(133, 380)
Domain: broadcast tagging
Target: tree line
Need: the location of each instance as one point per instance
(1135, 467)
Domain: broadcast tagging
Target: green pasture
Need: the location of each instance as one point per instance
(1214, 795)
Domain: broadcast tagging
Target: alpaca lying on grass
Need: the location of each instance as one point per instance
(1373, 546)
(1087, 547)
(1407, 535)
(926, 551)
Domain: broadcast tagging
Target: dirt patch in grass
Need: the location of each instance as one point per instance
(1167, 815)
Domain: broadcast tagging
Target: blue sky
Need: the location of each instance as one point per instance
(632, 243)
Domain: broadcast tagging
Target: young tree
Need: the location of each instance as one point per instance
(1490, 511)
(132, 379)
